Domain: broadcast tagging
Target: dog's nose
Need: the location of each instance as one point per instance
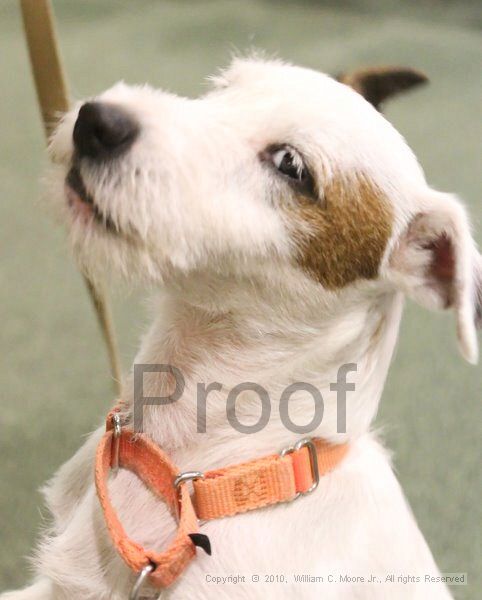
(103, 130)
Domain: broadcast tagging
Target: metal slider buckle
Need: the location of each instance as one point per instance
(306, 443)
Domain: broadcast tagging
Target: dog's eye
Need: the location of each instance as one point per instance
(290, 164)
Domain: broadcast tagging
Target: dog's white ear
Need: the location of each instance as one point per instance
(435, 262)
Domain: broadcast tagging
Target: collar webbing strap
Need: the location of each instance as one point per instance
(257, 483)
(219, 493)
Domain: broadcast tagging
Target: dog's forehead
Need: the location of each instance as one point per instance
(300, 93)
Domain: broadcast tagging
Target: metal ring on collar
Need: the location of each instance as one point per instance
(117, 430)
(143, 575)
(187, 476)
(183, 478)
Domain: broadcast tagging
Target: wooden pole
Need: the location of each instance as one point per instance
(53, 98)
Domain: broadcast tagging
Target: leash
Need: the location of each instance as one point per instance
(225, 492)
(53, 98)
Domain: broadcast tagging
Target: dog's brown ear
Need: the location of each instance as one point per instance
(376, 84)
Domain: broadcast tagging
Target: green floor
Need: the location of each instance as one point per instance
(53, 370)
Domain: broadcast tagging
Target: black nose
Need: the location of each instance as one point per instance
(103, 130)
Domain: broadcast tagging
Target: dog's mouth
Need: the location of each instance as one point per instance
(83, 204)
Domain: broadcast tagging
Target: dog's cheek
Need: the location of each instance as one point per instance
(344, 238)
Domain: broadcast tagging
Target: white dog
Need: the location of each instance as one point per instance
(285, 219)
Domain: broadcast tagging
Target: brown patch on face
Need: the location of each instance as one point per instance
(345, 238)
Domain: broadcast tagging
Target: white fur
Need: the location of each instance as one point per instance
(203, 217)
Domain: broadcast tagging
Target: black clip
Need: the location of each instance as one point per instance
(201, 540)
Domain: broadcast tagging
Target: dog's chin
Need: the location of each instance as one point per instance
(101, 260)
(105, 256)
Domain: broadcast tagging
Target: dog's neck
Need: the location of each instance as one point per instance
(265, 346)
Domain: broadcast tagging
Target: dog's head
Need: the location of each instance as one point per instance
(278, 168)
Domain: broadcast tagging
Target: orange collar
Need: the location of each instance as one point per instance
(277, 478)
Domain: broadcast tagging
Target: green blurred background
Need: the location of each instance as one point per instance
(54, 387)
